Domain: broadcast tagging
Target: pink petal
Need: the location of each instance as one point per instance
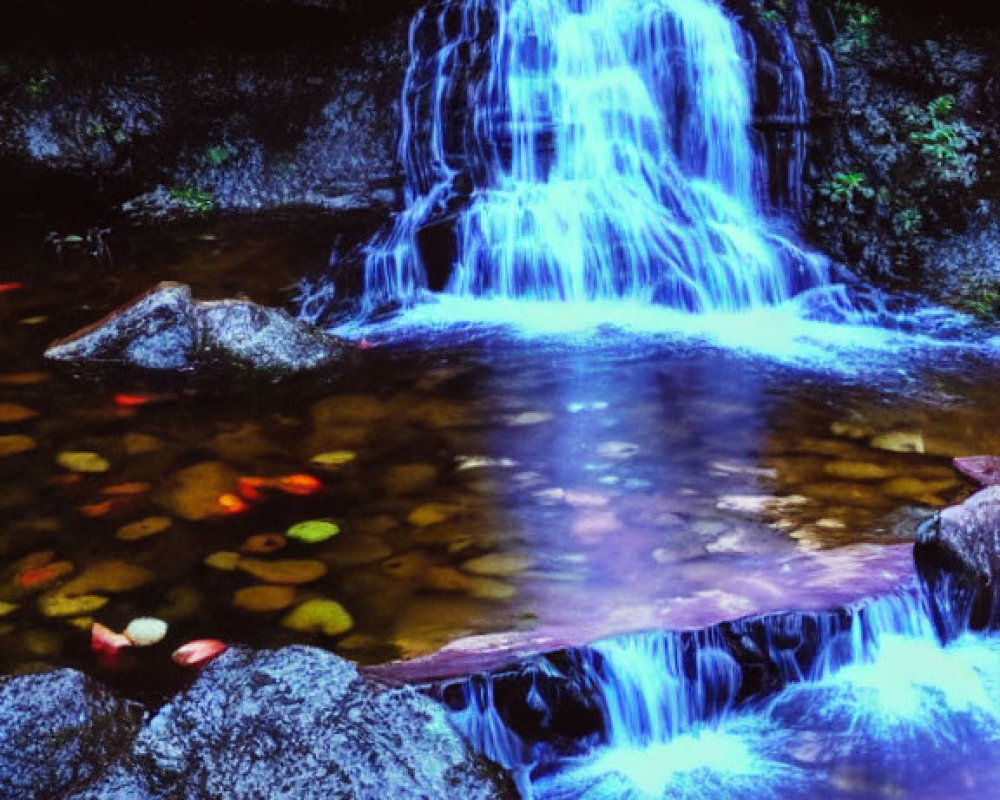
(198, 652)
(106, 644)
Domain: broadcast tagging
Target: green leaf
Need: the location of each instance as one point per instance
(313, 531)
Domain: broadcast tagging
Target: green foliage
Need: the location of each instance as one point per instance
(846, 189)
(218, 155)
(944, 141)
(985, 304)
(40, 83)
(194, 200)
(858, 26)
(773, 12)
(907, 221)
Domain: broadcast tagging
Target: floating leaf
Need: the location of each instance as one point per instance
(319, 616)
(127, 489)
(97, 510)
(334, 458)
(498, 564)
(232, 503)
(134, 400)
(7, 608)
(138, 443)
(12, 412)
(298, 484)
(145, 631)
(294, 571)
(313, 531)
(14, 444)
(264, 598)
(224, 560)
(264, 543)
(56, 604)
(106, 644)
(81, 461)
(984, 470)
(23, 378)
(10, 286)
(44, 575)
(194, 492)
(198, 652)
(112, 575)
(142, 528)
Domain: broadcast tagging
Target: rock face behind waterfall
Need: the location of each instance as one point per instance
(292, 724)
(166, 330)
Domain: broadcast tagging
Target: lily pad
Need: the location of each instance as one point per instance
(12, 412)
(82, 461)
(14, 444)
(290, 571)
(142, 528)
(313, 531)
(319, 616)
(264, 598)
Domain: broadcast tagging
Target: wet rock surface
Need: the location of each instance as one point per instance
(166, 330)
(294, 723)
(58, 730)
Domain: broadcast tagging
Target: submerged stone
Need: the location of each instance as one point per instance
(168, 331)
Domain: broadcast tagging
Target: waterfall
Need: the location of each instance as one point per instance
(584, 150)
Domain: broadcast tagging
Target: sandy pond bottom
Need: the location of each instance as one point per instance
(527, 489)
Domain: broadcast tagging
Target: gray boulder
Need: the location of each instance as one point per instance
(167, 330)
(58, 731)
(297, 724)
(965, 539)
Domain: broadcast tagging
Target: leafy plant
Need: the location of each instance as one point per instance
(846, 188)
(197, 201)
(859, 25)
(39, 84)
(943, 140)
(218, 155)
(907, 221)
(985, 304)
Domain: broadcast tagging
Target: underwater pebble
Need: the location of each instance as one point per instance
(56, 604)
(899, 442)
(408, 478)
(264, 598)
(293, 571)
(142, 528)
(263, 543)
(498, 564)
(223, 560)
(137, 444)
(432, 513)
(82, 461)
(15, 443)
(146, 631)
(319, 616)
(194, 493)
(857, 470)
(12, 412)
(111, 575)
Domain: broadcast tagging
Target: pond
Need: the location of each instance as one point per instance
(494, 489)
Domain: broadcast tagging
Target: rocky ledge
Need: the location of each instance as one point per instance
(167, 331)
(296, 723)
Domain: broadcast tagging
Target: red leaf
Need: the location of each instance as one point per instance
(107, 644)
(982, 469)
(198, 652)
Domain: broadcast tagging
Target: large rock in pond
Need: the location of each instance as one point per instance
(167, 330)
(297, 724)
(58, 731)
(962, 544)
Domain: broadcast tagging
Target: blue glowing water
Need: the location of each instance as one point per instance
(886, 710)
(615, 159)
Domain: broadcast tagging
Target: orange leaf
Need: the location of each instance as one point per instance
(232, 503)
(40, 576)
(127, 489)
(10, 286)
(299, 484)
(95, 510)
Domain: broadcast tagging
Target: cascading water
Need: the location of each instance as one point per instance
(585, 150)
(869, 691)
